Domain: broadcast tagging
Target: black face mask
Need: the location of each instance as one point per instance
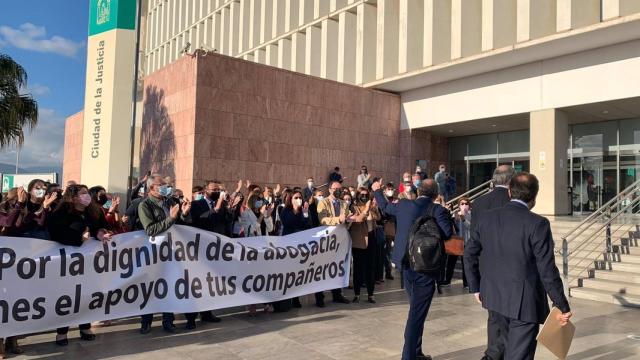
(102, 199)
(363, 198)
(214, 196)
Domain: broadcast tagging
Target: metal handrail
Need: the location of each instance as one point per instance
(484, 184)
(600, 211)
(565, 246)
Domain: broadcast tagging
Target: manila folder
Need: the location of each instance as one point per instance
(555, 337)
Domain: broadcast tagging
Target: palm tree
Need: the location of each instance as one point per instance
(16, 110)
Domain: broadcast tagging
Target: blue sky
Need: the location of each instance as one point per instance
(48, 38)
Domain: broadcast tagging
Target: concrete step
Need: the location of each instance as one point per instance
(622, 266)
(605, 296)
(619, 276)
(614, 287)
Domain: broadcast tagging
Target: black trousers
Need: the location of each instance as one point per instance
(519, 338)
(204, 315)
(496, 335)
(167, 319)
(336, 293)
(65, 330)
(363, 267)
(451, 267)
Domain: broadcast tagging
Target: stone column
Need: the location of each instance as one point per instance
(548, 141)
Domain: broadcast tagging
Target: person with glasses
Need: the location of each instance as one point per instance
(333, 211)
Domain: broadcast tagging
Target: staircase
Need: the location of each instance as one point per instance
(599, 256)
(611, 277)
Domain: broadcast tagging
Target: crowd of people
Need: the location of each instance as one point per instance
(378, 217)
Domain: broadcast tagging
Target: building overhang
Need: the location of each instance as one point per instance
(598, 35)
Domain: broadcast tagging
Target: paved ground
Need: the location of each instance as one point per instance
(455, 329)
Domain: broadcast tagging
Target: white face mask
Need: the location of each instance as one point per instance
(319, 197)
(353, 194)
(389, 193)
(348, 202)
(297, 202)
(310, 184)
(39, 193)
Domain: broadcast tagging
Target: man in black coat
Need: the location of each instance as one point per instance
(211, 214)
(510, 267)
(420, 287)
(497, 198)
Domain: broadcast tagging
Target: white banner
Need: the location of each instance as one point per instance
(44, 285)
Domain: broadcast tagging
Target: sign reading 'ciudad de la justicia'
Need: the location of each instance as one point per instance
(108, 100)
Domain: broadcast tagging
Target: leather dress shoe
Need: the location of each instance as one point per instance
(145, 328)
(341, 300)
(210, 318)
(423, 357)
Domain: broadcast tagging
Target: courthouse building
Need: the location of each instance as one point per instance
(278, 90)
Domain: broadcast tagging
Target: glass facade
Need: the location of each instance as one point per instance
(473, 158)
(604, 158)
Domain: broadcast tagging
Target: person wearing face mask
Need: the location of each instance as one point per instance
(109, 207)
(24, 213)
(318, 196)
(389, 228)
(254, 214)
(409, 192)
(77, 219)
(406, 178)
(421, 174)
(441, 178)
(363, 242)
(197, 193)
(295, 218)
(307, 191)
(157, 215)
(364, 178)
(332, 211)
(211, 213)
(462, 225)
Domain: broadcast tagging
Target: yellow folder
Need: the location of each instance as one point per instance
(555, 337)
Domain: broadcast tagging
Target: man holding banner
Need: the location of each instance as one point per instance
(153, 213)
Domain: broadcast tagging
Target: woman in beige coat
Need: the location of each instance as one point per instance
(365, 214)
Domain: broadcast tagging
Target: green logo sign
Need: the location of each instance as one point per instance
(7, 182)
(105, 15)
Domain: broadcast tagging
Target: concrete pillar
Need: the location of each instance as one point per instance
(234, 27)
(266, 18)
(225, 17)
(216, 28)
(535, 19)
(498, 23)
(411, 35)
(245, 20)
(298, 52)
(337, 5)
(466, 28)
(329, 51)
(305, 12)
(284, 53)
(320, 8)
(292, 10)
(254, 24)
(366, 44)
(278, 16)
(347, 46)
(313, 47)
(388, 38)
(549, 132)
(260, 56)
(572, 14)
(437, 32)
(272, 55)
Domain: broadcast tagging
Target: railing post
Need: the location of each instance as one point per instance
(565, 265)
(608, 244)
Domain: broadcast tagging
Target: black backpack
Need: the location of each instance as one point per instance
(425, 251)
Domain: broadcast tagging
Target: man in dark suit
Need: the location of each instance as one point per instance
(497, 198)
(211, 214)
(420, 287)
(510, 267)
